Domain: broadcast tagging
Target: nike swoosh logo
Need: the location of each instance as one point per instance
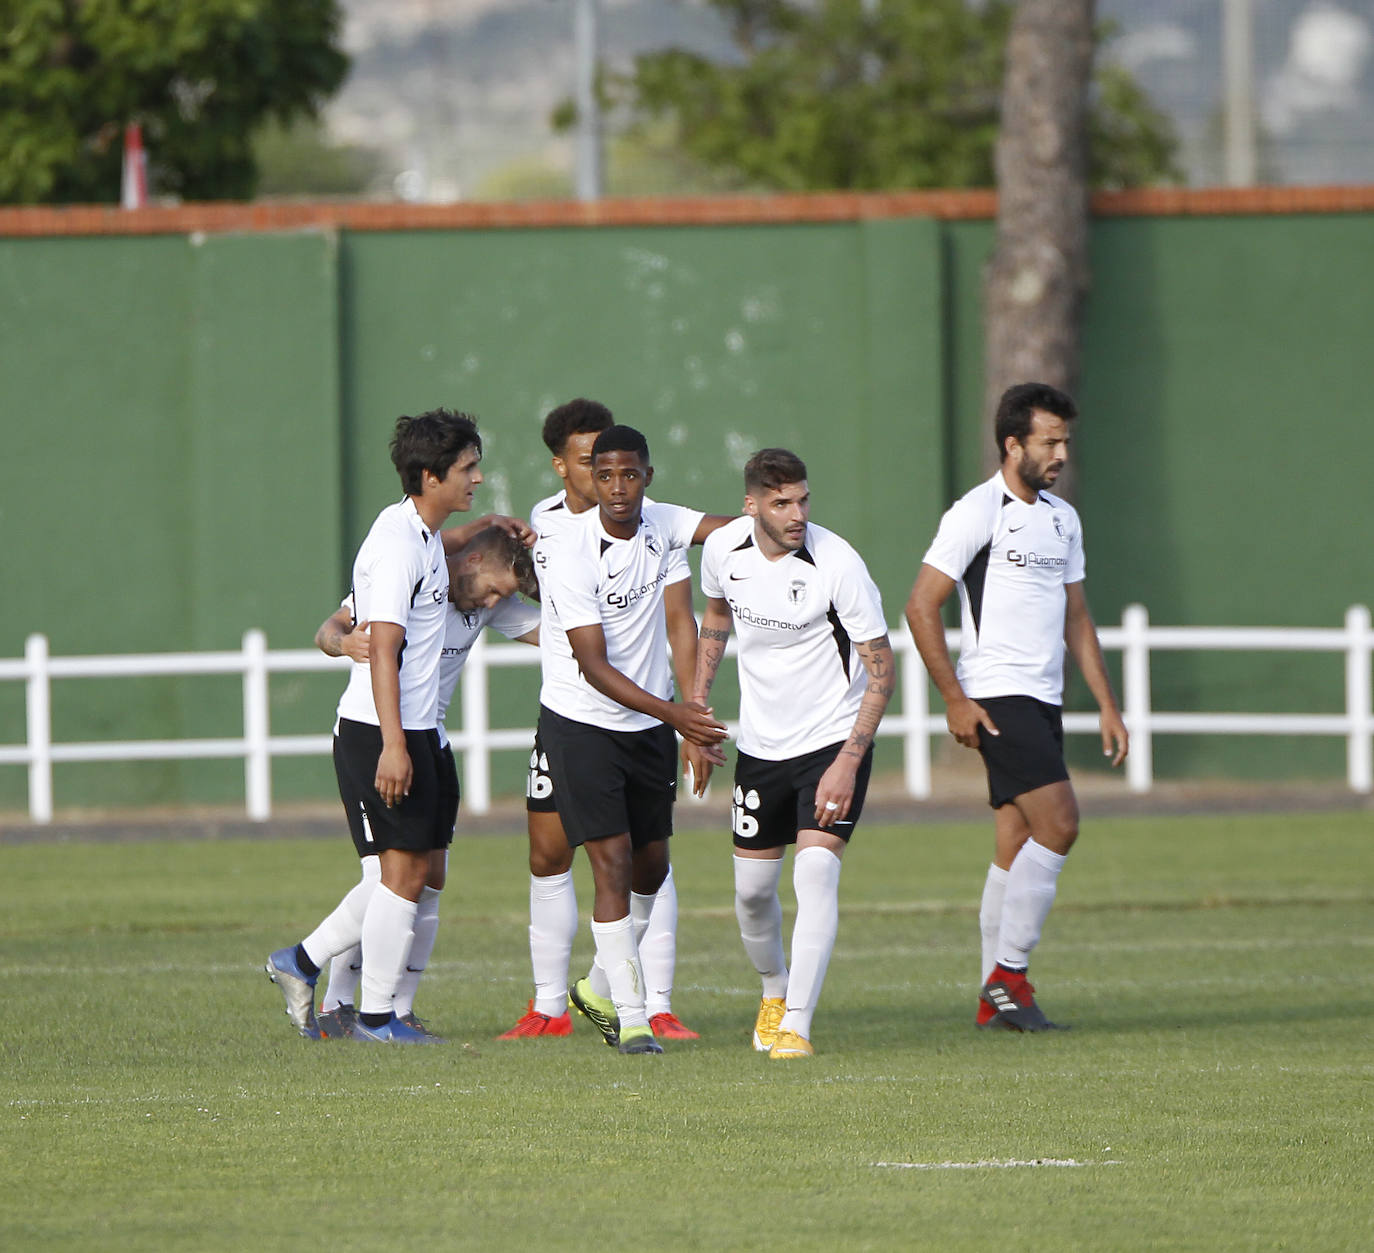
(738, 578)
(616, 576)
(1011, 530)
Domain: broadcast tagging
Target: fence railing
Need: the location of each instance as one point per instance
(475, 739)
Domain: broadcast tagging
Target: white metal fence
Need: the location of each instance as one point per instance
(476, 739)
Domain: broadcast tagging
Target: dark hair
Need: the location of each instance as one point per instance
(499, 547)
(433, 441)
(577, 417)
(621, 439)
(771, 468)
(1018, 404)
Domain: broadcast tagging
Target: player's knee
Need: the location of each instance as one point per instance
(1059, 834)
(545, 862)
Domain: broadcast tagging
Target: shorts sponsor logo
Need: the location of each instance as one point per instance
(742, 822)
(538, 784)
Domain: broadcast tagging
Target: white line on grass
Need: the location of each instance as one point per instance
(1010, 1164)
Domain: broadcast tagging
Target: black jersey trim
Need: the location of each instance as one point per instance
(842, 641)
(415, 591)
(974, 578)
(1006, 500)
(804, 554)
(605, 544)
(748, 543)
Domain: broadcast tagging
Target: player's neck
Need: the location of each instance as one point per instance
(575, 503)
(432, 514)
(620, 528)
(1017, 488)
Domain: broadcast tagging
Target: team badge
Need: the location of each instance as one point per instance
(651, 542)
(796, 591)
(1059, 527)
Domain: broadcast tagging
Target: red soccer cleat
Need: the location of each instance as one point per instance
(534, 1023)
(668, 1026)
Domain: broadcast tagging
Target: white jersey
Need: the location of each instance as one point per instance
(590, 578)
(513, 617)
(797, 620)
(400, 576)
(1011, 561)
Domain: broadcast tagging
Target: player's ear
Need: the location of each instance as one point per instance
(751, 507)
(560, 467)
(648, 476)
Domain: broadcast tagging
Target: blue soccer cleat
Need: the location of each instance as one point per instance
(298, 988)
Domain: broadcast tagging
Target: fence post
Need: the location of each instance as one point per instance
(257, 765)
(1359, 758)
(477, 748)
(38, 708)
(1135, 678)
(916, 708)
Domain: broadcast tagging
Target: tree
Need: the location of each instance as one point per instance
(200, 78)
(829, 94)
(1037, 277)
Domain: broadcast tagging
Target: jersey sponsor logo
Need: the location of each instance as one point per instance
(456, 652)
(623, 600)
(1035, 560)
(745, 614)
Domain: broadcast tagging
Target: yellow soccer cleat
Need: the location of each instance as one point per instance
(789, 1044)
(771, 1010)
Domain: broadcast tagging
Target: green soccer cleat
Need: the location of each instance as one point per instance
(597, 1010)
(639, 1040)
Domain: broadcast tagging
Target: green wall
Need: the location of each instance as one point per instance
(196, 429)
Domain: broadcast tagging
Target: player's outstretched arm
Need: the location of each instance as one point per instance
(1080, 635)
(692, 721)
(456, 537)
(962, 715)
(835, 791)
(711, 522)
(333, 630)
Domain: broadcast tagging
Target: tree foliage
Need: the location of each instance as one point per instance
(901, 94)
(199, 75)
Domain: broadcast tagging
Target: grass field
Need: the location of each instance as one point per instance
(1215, 1092)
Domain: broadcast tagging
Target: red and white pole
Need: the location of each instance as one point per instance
(133, 192)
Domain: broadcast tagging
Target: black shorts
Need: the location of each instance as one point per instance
(610, 782)
(539, 798)
(417, 824)
(1027, 752)
(773, 800)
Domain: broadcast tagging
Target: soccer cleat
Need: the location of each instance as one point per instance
(668, 1026)
(297, 987)
(598, 1010)
(1012, 999)
(638, 1040)
(789, 1045)
(416, 1023)
(393, 1031)
(771, 1010)
(534, 1023)
(337, 1023)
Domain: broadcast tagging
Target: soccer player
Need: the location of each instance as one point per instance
(485, 576)
(606, 718)
(569, 432)
(815, 673)
(1016, 554)
(386, 745)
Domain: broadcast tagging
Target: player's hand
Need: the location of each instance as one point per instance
(1116, 740)
(356, 645)
(517, 527)
(835, 791)
(964, 717)
(698, 762)
(697, 723)
(394, 774)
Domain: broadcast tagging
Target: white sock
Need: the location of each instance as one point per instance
(426, 929)
(597, 978)
(342, 929)
(658, 946)
(617, 955)
(816, 880)
(553, 927)
(1031, 885)
(759, 913)
(387, 932)
(990, 917)
(344, 969)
